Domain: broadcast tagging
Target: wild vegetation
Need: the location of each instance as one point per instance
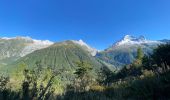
(146, 78)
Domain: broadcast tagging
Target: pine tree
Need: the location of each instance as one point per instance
(139, 57)
(140, 53)
(83, 76)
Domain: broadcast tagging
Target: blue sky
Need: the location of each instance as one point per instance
(98, 22)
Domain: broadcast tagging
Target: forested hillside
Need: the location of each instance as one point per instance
(146, 78)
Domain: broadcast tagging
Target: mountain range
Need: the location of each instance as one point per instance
(19, 53)
(11, 49)
(63, 54)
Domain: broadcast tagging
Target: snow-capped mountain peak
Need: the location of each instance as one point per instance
(131, 40)
(86, 46)
(80, 42)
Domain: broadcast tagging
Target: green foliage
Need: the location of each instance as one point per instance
(148, 63)
(3, 82)
(140, 53)
(30, 89)
(84, 77)
(161, 56)
(147, 73)
(158, 60)
(83, 69)
(105, 76)
(138, 61)
(148, 88)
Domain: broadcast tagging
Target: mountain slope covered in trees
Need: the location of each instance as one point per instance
(146, 78)
(61, 58)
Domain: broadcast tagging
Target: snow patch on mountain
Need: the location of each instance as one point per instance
(131, 40)
(35, 45)
(92, 51)
(43, 42)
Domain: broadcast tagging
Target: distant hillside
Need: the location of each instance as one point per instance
(121, 53)
(61, 55)
(12, 49)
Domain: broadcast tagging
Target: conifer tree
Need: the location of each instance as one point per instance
(140, 53)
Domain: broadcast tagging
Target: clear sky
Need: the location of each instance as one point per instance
(98, 22)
